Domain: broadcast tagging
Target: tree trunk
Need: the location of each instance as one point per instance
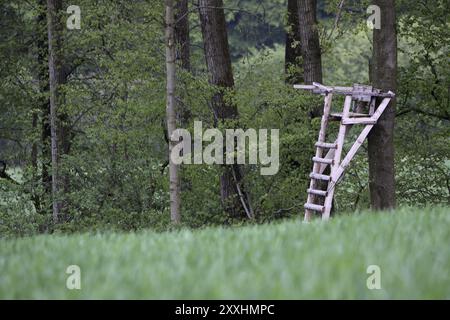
(182, 33)
(54, 65)
(381, 138)
(309, 41)
(171, 111)
(292, 50)
(217, 55)
(34, 164)
(183, 54)
(312, 58)
(218, 62)
(44, 102)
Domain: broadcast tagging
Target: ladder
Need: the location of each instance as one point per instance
(359, 109)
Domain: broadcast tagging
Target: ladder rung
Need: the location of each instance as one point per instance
(326, 145)
(322, 160)
(367, 120)
(318, 192)
(350, 115)
(319, 176)
(314, 207)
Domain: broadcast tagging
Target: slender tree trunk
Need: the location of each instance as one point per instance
(44, 101)
(309, 41)
(182, 39)
(34, 146)
(292, 51)
(34, 163)
(182, 33)
(218, 62)
(171, 110)
(54, 64)
(381, 138)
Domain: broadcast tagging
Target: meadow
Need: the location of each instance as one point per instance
(283, 260)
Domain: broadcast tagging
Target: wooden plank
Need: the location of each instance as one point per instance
(322, 87)
(325, 145)
(317, 192)
(365, 95)
(322, 160)
(350, 114)
(366, 120)
(313, 87)
(314, 207)
(344, 91)
(318, 176)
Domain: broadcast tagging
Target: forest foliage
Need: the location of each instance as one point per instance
(114, 102)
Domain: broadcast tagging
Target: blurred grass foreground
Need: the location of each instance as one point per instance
(287, 260)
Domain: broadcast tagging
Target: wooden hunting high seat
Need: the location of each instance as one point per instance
(359, 109)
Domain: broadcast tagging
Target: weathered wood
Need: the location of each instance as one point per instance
(361, 92)
(322, 193)
(318, 176)
(329, 155)
(337, 158)
(344, 91)
(322, 87)
(338, 115)
(334, 154)
(314, 207)
(322, 160)
(336, 175)
(366, 120)
(322, 134)
(325, 145)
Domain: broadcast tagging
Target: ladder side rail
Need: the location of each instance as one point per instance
(337, 158)
(322, 134)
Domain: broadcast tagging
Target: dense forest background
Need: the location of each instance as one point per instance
(113, 159)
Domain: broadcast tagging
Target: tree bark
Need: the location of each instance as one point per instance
(217, 55)
(381, 138)
(182, 33)
(292, 51)
(309, 41)
(218, 62)
(182, 39)
(171, 110)
(54, 65)
(44, 101)
(312, 57)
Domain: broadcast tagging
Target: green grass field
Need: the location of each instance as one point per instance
(288, 260)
